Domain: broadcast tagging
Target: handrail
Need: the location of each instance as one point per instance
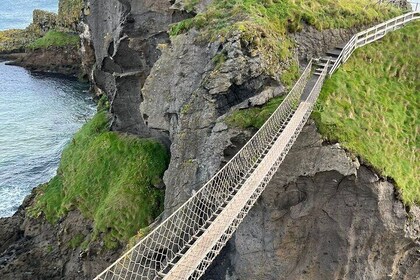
(184, 245)
(364, 37)
(215, 193)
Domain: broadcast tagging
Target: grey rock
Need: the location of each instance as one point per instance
(126, 36)
(185, 95)
(323, 216)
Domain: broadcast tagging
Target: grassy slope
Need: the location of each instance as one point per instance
(55, 39)
(372, 105)
(109, 178)
(264, 24)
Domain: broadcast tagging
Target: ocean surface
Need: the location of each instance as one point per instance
(39, 114)
(18, 13)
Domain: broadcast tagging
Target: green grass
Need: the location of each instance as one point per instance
(190, 4)
(265, 24)
(286, 15)
(371, 106)
(254, 117)
(109, 177)
(76, 241)
(55, 39)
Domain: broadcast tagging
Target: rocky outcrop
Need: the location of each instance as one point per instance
(32, 248)
(324, 216)
(125, 36)
(194, 86)
(312, 43)
(62, 60)
(187, 95)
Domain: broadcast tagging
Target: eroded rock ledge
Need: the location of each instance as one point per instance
(324, 216)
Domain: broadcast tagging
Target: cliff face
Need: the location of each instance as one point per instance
(324, 215)
(125, 36)
(32, 248)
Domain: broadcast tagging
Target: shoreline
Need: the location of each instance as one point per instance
(10, 57)
(53, 60)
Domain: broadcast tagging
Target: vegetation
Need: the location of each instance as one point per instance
(264, 24)
(283, 16)
(109, 177)
(55, 39)
(371, 106)
(254, 117)
(69, 13)
(76, 241)
(190, 4)
(14, 40)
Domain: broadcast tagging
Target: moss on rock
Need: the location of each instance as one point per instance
(69, 13)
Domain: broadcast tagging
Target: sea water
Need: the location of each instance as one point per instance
(39, 114)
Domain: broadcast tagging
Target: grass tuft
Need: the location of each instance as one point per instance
(265, 24)
(55, 39)
(254, 117)
(371, 106)
(108, 177)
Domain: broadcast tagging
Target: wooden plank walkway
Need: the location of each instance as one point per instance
(187, 265)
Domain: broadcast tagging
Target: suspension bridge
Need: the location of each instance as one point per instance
(184, 245)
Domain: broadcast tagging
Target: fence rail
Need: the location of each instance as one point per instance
(186, 243)
(155, 255)
(372, 34)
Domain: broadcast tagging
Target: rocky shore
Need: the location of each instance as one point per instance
(60, 60)
(325, 215)
(17, 46)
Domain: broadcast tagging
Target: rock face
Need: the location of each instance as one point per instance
(34, 249)
(62, 60)
(187, 96)
(324, 216)
(125, 36)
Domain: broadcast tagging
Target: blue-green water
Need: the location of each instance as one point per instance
(18, 13)
(38, 116)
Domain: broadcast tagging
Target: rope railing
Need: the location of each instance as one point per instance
(158, 252)
(184, 245)
(193, 265)
(372, 34)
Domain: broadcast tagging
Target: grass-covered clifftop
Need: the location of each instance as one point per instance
(55, 39)
(109, 177)
(265, 24)
(371, 105)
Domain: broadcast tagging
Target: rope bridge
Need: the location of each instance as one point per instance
(185, 244)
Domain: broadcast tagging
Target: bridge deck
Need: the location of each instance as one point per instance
(187, 265)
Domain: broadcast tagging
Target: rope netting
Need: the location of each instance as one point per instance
(185, 244)
(158, 252)
(196, 260)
